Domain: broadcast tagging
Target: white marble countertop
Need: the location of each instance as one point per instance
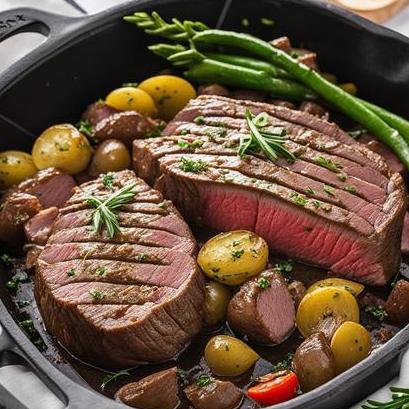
(14, 48)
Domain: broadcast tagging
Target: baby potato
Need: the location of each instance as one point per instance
(217, 300)
(111, 156)
(132, 99)
(63, 147)
(353, 287)
(15, 166)
(323, 303)
(350, 344)
(231, 258)
(169, 92)
(228, 356)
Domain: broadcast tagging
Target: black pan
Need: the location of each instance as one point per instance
(83, 58)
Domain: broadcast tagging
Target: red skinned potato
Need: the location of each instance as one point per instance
(98, 111)
(397, 304)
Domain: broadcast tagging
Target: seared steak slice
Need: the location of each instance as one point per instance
(38, 228)
(141, 289)
(157, 391)
(263, 309)
(50, 186)
(215, 395)
(405, 235)
(338, 205)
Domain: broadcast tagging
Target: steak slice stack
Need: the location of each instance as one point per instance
(117, 302)
(337, 205)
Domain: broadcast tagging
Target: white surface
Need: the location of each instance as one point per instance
(15, 48)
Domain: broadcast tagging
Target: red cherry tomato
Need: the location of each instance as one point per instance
(274, 388)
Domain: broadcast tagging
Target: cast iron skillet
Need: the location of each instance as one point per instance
(83, 58)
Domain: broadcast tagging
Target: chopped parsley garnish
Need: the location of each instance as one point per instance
(236, 254)
(84, 126)
(245, 22)
(130, 84)
(194, 166)
(23, 303)
(183, 132)
(71, 272)
(28, 327)
(342, 177)
(96, 294)
(357, 133)
(263, 283)
(316, 204)
(100, 271)
(111, 377)
(141, 257)
(155, 131)
(15, 281)
(309, 191)
(6, 260)
(199, 120)
(350, 188)
(108, 180)
(377, 311)
(329, 190)
(266, 21)
(327, 163)
(62, 147)
(236, 243)
(284, 364)
(203, 380)
(12, 285)
(285, 266)
(300, 200)
(198, 143)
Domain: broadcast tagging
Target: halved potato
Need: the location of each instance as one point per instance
(353, 287)
(231, 258)
(350, 344)
(323, 303)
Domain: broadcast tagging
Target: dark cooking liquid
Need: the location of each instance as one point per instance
(191, 360)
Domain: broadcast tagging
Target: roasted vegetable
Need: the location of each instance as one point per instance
(110, 156)
(324, 303)
(15, 166)
(274, 388)
(350, 344)
(62, 147)
(217, 300)
(169, 92)
(353, 287)
(233, 257)
(132, 99)
(228, 356)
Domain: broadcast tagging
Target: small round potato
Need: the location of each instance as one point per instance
(217, 300)
(353, 287)
(231, 258)
(350, 344)
(15, 166)
(111, 156)
(132, 99)
(324, 303)
(228, 356)
(169, 92)
(63, 147)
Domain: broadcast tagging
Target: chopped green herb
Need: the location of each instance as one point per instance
(357, 133)
(141, 257)
(182, 143)
(197, 143)
(245, 22)
(155, 131)
(300, 200)
(62, 147)
(113, 376)
(108, 180)
(284, 364)
(6, 260)
(194, 166)
(377, 311)
(342, 177)
(263, 283)
(199, 120)
(12, 285)
(236, 243)
(203, 380)
(28, 327)
(130, 84)
(96, 294)
(71, 272)
(350, 188)
(327, 163)
(236, 254)
(329, 190)
(309, 191)
(84, 126)
(285, 266)
(15, 281)
(316, 203)
(266, 21)
(184, 132)
(100, 271)
(23, 303)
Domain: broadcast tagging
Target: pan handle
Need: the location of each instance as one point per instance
(22, 20)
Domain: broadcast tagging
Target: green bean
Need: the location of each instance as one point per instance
(227, 74)
(249, 63)
(345, 102)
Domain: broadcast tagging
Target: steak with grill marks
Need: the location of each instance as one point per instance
(116, 302)
(338, 205)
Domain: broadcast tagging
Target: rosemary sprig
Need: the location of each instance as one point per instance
(261, 139)
(400, 400)
(111, 377)
(104, 213)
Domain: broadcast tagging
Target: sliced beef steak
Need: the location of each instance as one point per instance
(338, 203)
(135, 298)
